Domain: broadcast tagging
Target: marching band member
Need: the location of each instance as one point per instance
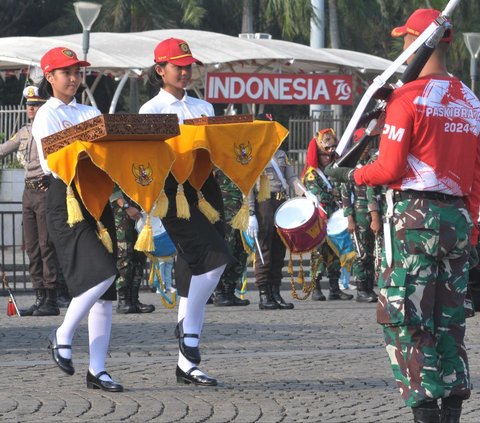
(319, 154)
(89, 268)
(429, 157)
(202, 252)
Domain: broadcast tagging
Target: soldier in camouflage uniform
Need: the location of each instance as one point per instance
(224, 294)
(376, 208)
(429, 157)
(356, 208)
(130, 263)
(319, 155)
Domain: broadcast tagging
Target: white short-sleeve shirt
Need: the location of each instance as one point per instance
(186, 108)
(55, 116)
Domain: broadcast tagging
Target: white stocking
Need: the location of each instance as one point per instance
(193, 308)
(99, 328)
(77, 310)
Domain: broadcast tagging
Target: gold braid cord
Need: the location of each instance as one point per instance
(155, 271)
(307, 289)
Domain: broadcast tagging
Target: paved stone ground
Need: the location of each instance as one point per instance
(321, 362)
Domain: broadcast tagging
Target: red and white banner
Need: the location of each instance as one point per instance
(279, 88)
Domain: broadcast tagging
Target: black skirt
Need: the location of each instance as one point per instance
(200, 244)
(84, 260)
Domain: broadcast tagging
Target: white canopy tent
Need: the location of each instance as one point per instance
(128, 54)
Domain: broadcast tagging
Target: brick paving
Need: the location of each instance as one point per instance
(321, 362)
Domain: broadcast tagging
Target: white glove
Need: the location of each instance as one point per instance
(252, 229)
(312, 197)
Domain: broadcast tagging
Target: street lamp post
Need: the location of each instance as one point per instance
(472, 41)
(87, 14)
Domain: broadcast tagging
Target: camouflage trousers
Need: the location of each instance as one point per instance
(130, 262)
(363, 268)
(235, 269)
(421, 301)
(326, 262)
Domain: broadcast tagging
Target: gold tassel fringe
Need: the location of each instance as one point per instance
(300, 277)
(74, 212)
(240, 220)
(104, 236)
(183, 209)
(264, 190)
(161, 205)
(290, 265)
(145, 238)
(207, 209)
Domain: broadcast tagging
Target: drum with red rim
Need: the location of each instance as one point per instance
(300, 225)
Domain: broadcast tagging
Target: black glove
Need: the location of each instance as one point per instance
(339, 174)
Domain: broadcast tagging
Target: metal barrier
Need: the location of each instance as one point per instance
(13, 259)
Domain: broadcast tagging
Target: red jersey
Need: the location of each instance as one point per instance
(430, 142)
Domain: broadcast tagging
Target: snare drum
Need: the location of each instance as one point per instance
(300, 225)
(339, 238)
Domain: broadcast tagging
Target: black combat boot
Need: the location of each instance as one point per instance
(137, 305)
(370, 290)
(266, 300)
(39, 300)
(451, 409)
(363, 295)
(49, 306)
(336, 293)
(236, 300)
(63, 297)
(279, 300)
(317, 294)
(124, 305)
(426, 413)
(221, 297)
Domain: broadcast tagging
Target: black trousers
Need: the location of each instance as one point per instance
(39, 247)
(273, 248)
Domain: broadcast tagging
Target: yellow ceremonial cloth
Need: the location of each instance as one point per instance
(240, 150)
(138, 167)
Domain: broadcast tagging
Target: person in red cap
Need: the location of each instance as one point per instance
(88, 267)
(429, 156)
(38, 245)
(202, 251)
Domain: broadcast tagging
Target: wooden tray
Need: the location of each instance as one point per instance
(115, 127)
(210, 120)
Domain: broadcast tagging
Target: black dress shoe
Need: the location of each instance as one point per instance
(187, 378)
(94, 382)
(192, 354)
(65, 364)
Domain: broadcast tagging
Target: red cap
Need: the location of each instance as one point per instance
(418, 22)
(174, 51)
(60, 57)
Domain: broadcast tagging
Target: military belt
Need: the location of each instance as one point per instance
(278, 196)
(37, 183)
(428, 195)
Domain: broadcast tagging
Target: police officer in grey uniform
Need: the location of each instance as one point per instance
(40, 251)
(268, 275)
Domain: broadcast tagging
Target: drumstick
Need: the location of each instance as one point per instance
(259, 249)
(305, 192)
